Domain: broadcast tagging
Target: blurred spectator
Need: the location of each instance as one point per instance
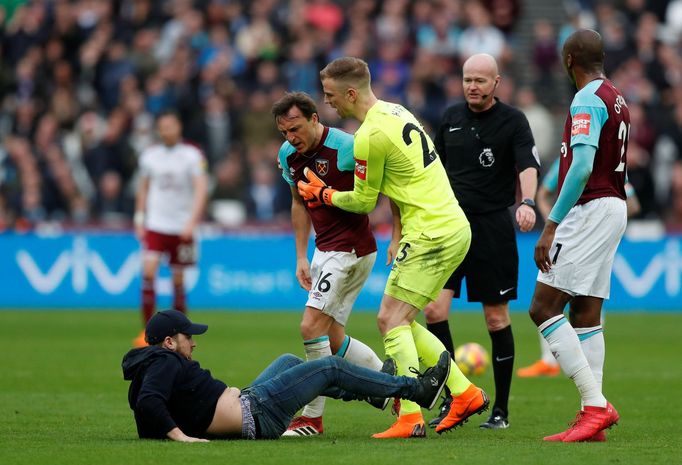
(541, 125)
(81, 82)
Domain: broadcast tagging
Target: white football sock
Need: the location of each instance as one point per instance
(546, 354)
(564, 344)
(315, 349)
(592, 343)
(357, 352)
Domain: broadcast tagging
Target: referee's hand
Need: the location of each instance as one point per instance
(525, 217)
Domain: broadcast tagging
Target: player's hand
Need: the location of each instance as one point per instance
(187, 232)
(525, 217)
(303, 273)
(392, 251)
(315, 192)
(544, 244)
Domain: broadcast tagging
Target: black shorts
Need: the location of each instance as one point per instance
(491, 267)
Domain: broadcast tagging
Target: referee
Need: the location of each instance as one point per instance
(485, 146)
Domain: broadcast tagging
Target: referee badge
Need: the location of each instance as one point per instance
(486, 158)
(322, 166)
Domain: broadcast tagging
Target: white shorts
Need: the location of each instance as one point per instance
(338, 278)
(584, 248)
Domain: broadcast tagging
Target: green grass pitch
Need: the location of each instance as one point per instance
(63, 399)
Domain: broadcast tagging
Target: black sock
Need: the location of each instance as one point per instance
(503, 365)
(442, 331)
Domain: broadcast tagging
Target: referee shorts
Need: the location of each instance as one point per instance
(491, 267)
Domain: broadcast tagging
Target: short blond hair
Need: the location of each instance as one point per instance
(353, 71)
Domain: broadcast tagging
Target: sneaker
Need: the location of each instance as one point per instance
(407, 426)
(559, 437)
(498, 420)
(389, 367)
(473, 400)
(591, 421)
(442, 411)
(432, 382)
(304, 426)
(140, 341)
(539, 368)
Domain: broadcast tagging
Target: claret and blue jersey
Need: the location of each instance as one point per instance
(332, 160)
(598, 117)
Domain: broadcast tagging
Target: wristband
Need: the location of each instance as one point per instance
(529, 202)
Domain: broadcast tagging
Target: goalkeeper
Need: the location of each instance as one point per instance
(394, 156)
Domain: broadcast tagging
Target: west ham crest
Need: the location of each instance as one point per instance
(322, 166)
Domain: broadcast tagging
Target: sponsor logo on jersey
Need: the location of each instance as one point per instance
(322, 166)
(361, 169)
(581, 124)
(486, 158)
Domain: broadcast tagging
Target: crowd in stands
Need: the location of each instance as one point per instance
(81, 82)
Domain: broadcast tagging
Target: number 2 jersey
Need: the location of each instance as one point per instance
(332, 160)
(395, 157)
(598, 117)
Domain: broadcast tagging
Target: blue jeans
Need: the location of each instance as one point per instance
(289, 383)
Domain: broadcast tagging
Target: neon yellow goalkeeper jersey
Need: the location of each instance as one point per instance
(395, 157)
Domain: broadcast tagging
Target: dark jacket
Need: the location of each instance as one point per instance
(167, 390)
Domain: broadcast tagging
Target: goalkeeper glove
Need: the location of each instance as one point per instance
(315, 192)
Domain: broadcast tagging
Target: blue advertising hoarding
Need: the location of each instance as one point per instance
(257, 272)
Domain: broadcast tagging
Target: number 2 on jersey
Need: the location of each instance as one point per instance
(428, 157)
(623, 135)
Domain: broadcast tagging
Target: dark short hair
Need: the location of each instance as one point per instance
(172, 113)
(300, 100)
(351, 70)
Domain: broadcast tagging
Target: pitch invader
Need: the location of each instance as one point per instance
(345, 249)
(169, 205)
(578, 243)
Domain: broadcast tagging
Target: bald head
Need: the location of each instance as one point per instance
(586, 50)
(479, 80)
(481, 63)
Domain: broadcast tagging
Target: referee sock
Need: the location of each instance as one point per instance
(148, 299)
(592, 343)
(357, 352)
(315, 349)
(399, 345)
(503, 366)
(442, 331)
(564, 344)
(429, 349)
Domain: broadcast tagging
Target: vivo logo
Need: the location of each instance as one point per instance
(82, 262)
(667, 263)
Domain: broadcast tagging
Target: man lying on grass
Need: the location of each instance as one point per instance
(173, 397)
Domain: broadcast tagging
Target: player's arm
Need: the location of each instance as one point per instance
(396, 234)
(631, 200)
(576, 179)
(141, 205)
(300, 221)
(370, 155)
(200, 185)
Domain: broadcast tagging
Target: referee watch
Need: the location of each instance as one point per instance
(529, 202)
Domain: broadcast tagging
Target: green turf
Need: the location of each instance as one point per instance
(63, 400)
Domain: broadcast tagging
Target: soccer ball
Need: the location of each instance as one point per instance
(472, 358)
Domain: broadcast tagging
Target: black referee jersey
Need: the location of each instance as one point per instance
(483, 154)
